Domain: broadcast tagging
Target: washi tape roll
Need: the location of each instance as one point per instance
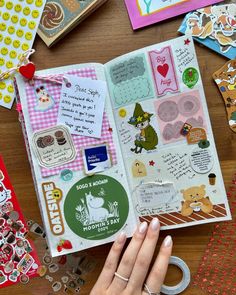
(185, 280)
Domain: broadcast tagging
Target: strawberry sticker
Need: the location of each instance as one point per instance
(64, 245)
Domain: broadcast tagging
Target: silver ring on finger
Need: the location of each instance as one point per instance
(148, 291)
(121, 277)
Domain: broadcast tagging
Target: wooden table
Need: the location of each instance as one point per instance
(103, 36)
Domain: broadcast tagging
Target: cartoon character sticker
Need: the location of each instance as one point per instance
(44, 99)
(195, 200)
(5, 194)
(147, 138)
(96, 207)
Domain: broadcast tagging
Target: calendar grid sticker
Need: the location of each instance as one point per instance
(19, 21)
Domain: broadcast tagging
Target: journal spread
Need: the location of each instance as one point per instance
(114, 144)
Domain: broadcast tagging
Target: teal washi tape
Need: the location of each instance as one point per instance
(185, 280)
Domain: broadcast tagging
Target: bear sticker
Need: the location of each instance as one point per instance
(195, 200)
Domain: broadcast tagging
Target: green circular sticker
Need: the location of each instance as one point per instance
(190, 77)
(96, 207)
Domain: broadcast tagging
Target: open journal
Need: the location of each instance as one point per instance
(111, 145)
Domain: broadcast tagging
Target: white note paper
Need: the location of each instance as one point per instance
(82, 105)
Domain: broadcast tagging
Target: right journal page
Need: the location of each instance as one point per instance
(166, 136)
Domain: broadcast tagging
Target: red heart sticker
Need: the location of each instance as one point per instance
(28, 70)
(163, 70)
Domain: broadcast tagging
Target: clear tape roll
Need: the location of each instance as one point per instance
(185, 280)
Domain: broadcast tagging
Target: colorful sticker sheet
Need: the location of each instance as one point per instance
(18, 25)
(214, 27)
(18, 258)
(146, 12)
(156, 155)
(225, 79)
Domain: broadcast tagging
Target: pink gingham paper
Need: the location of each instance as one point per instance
(41, 120)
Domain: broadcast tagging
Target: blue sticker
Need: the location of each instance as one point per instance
(66, 175)
(96, 159)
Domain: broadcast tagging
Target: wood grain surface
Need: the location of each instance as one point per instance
(103, 36)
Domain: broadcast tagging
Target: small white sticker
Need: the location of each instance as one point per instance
(201, 160)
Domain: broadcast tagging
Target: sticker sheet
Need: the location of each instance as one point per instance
(79, 175)
(19, 260)
(61, 16)
(214, 27)
(167, 141)
(146, 12)
(19, 21)
(225, 79)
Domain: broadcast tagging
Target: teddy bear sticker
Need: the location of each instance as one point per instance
(195, 200)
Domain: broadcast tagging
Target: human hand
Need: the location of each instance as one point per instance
(131, 276)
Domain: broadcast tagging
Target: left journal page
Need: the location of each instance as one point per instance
(76, 162)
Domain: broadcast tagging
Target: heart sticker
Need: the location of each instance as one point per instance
(28, 70)
(163, 69)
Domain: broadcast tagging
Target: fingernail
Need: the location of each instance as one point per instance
(121, 238)
(143, 227)
(154, 223)
(168, 241)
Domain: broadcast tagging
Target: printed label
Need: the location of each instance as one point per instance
(96, 159)
(54, 146)
(201, 160)
(163, 69)
(195, 135)
(52, 197)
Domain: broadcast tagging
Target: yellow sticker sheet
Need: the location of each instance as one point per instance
(19, 20)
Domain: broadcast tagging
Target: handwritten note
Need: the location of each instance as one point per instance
(184, 58)
(153, 194)
(82, 105)
(54, 146)
(177, 164)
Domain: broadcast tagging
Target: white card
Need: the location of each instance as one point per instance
(82, 105)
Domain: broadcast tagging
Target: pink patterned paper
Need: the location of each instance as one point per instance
(172, 112)
(41, 120)
(163, 69)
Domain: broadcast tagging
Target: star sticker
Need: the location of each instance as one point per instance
(139, 119)
(110, 129)
(151, 163)
(186, 42)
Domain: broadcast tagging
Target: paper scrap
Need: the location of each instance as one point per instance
(152, 194)
(82, 105)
